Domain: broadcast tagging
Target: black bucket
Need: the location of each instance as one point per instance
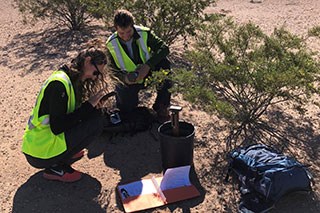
(176, 150)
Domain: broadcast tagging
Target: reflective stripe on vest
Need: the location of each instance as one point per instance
(122, 60)
(38, 139)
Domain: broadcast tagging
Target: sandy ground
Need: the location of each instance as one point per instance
(28, 56)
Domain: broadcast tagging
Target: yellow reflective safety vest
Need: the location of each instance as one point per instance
(38, 139)
(122, 60)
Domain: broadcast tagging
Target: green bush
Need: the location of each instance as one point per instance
(239, 72)
(105, 9)
(169, 19)
(72, 13)
(315, 31)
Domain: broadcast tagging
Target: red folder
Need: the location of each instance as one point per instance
(153, 192)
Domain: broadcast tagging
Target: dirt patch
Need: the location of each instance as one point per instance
(30, 53)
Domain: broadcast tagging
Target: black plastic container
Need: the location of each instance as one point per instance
(176, 150)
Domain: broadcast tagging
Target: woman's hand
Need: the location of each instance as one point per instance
(95, 99)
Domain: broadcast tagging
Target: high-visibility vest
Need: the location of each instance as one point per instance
(122, 60)
(38, 139)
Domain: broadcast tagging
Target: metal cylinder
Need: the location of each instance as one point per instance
(176, 150)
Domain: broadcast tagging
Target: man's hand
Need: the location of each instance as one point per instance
(139, 74)
(143, 71)
(131, 77)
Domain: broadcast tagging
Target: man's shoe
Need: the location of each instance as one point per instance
(163, 115)
(62, 173)
(78, 155)
(162, 119)
(75, 157)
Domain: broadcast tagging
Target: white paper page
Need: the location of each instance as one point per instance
(176, 177)
(137, 188)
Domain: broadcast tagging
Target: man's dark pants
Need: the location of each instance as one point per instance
(128, 95)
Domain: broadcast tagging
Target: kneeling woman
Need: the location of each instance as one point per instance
(65, 119)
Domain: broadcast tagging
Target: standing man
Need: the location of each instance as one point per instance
(135, 52)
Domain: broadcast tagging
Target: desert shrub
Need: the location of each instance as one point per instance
(240, 72)
(315, 31)
(71, 13)
(169, 19)
(105, 9)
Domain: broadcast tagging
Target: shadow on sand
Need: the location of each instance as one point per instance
(40, 195)
(41, 50)
(138, 156)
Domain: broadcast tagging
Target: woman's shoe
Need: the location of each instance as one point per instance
(63, 173)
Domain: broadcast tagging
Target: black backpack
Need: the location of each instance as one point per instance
(265, 176)
(138, 120)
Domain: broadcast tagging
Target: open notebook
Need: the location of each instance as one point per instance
(149, 193)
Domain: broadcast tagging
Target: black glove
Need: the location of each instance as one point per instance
(132, 76)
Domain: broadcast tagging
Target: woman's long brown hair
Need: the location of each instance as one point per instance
(84, 90)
